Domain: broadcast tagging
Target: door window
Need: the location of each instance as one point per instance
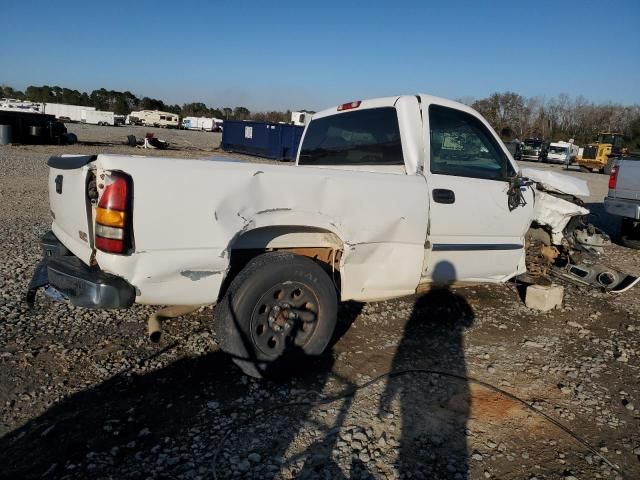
(462, 146)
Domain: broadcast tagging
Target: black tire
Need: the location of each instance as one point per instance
(630, 234)
(252, 319)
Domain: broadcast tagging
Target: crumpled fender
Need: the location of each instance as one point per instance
(555, 213)
(557, 182)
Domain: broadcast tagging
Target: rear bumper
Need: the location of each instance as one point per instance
(82, 285)
(622, 207)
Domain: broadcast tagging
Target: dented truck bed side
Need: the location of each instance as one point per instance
(187, 224)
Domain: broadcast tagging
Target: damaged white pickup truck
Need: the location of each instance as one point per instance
(387, 195)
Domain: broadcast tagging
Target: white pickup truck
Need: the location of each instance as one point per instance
(624, 198)
(386, 195)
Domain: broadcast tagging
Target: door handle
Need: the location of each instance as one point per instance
(442, 195)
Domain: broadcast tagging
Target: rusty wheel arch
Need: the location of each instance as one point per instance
(327, 253)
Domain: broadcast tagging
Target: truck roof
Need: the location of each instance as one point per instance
(386, 101)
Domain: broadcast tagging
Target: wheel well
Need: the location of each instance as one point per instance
(322, 246)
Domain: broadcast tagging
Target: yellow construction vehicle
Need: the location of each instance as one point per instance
(599, 155)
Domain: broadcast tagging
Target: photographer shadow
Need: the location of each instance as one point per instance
(434, 409)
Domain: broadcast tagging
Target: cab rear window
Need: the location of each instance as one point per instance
(361, 137)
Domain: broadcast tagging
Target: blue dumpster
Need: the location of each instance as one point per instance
(278, 141)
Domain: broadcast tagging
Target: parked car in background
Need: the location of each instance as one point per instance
(534, 150)
(623, 199)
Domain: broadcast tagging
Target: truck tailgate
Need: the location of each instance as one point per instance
(69, 203)
(628, 183)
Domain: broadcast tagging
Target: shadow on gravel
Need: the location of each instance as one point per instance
(169, 422)
(164, 423)
(434, 408)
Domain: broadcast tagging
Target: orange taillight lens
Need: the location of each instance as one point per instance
(110, 218)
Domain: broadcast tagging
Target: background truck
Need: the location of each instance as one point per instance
(534, 149)
(98, 117)
(623, 198)
(387, 196)
(28, 127)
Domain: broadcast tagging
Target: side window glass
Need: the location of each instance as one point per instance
(462, 146)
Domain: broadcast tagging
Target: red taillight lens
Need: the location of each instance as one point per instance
(112, 228)
(109, 245)
(349, 106)
(115, 193)
(613, 178)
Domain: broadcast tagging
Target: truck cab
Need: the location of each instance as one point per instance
(467, 173)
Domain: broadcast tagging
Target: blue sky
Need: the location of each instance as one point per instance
(308, 54)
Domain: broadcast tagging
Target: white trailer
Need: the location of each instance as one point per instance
(155, 118)
(98, 117)
(300, 118)
(75, 113)
(199, 123)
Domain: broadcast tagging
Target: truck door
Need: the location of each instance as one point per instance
(475, 233)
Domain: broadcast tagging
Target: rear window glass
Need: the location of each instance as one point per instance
(361, 137)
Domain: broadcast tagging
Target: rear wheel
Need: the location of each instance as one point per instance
(279, 307)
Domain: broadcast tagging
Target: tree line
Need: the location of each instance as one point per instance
(558, 118)
(513, 116)
(123, 103)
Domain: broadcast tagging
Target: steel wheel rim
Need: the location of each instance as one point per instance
(273, 331)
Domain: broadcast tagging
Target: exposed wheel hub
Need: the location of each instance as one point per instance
(285, 315)
(280, 318)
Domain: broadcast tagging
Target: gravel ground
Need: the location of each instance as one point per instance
(84, 395)
(189, 140)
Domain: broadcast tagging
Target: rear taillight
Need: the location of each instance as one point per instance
(113, 214)
(349, 106)
(613, 178)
